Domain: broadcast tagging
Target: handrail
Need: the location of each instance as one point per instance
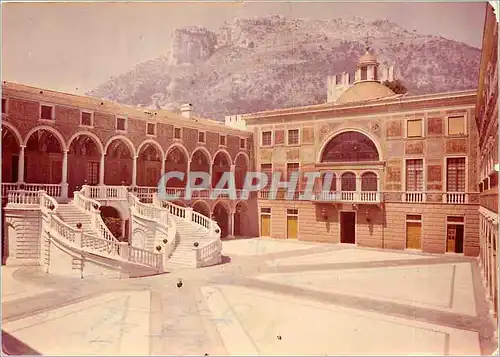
(23, 197)
(89, 205)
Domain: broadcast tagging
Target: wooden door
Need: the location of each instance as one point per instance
(451, 236)
(348, 227)
(265, 225)
(413, 235)
(291, 227)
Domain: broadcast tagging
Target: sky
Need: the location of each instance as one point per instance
(74, 47)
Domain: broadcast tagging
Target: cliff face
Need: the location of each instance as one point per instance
(272, 62)
(192, 44)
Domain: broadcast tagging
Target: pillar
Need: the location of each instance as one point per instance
(20, 170)
(101, 170)
(64, 182)
(134, 171)
(231, 225)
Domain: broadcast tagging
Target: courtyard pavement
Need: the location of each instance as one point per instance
(269, 297)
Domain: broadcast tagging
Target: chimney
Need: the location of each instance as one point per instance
(187, 110)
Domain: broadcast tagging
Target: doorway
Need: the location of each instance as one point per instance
(414, 231)
(455, 235)
(265, 222)
(348, 227)
(292, 222)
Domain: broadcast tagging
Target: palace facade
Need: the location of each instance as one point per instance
(397, 171)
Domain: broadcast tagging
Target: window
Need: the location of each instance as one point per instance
(121, 124)
(290, 168)
(86, 119)
(222, 140)
(267, 169)
(177, 133)
(292, 211)
(267, 138)
(151, 129)
(201, 137)
(414, 175)
(455, 174)
(456, 125)
(414, 128)
(93, 172)
(265, 210)
(293, 137)
(364, 73)
(47, 112)
(242, 143)
(4, 105)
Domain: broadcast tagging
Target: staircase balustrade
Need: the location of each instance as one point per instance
(23, 197)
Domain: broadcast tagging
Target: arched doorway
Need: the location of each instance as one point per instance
(350, 146)
(114, 222)
(240, 170)
(10, 155)
(149, 165)
(43, 158)
(221, 164)
(202, 208)
(118, 164)
(221, 216)
(177, 160)
(240, 219)
(84, 161)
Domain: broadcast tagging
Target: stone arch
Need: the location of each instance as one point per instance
(368, 140)
(84, 160)
(222, 152)
(201, 207)
(221, 163)
(43, 156)
(369, 181)
(220, 213)
(241, 166)
(126, 140)
(90, 134)
(50, 129)
(177, 159)
(200, 160)
(348, 181)
(14, 132)
(150, 157)
(113, 220)
(152, 142)
(11, 144)
(118, 161)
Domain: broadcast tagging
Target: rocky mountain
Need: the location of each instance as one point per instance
(272, 62)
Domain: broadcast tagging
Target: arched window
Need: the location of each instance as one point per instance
(348, 182)
(369, 181)
(350, 146)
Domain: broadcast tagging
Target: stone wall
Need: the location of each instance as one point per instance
(22, 233)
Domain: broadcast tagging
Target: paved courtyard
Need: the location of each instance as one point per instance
(268, 297)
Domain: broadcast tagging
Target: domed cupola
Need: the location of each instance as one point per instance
(366, 70)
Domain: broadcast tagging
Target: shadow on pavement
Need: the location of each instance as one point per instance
(11, 346)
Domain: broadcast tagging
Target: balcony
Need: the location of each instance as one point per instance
(327, 196)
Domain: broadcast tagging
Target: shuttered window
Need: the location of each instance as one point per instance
(455, 176)
(414, 175)
(268, 170)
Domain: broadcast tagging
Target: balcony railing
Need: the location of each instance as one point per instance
(456, 198)
(413, 197)
(326, 196)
